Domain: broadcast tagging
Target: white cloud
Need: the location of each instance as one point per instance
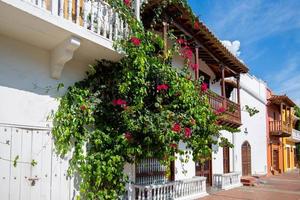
(233, 47)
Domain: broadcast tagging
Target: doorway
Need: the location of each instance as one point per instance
(275, 156)
(205, 169)
(246, 159)
(226, 160)
(288, 157)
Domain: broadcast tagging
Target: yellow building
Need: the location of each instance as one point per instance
(289, 145)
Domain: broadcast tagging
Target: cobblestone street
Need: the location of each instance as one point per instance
(280, 187)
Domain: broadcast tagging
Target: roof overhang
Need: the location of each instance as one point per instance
(211, 50)
(281, 99)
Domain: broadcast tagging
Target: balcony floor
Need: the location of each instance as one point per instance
(38, 27)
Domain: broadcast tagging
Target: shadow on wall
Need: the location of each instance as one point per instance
(27, 68)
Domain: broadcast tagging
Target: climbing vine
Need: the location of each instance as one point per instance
(137, 108)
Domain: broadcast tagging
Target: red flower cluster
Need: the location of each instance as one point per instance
(128, 136)
(176, 128)
(220, 111)
(173, 145)
(204, 87)
(187, 52)
(162, 87)
(136, 41)
(127, 2)
(194, 66)
(196, 25)
(187, 132)
(119, 102)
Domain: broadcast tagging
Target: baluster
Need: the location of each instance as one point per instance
(140, 194)
(92, 16)
(121, 28)
(61, 8)
(70, 10)
(99, 17)
(77, 12)
(111, 20)
(85, 14)
(116, 24)
(105, 20)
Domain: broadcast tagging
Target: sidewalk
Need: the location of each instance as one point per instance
(280, 187)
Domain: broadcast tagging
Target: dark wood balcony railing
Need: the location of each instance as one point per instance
(232, 111)
(280, 128)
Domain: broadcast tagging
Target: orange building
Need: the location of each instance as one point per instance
(280, 126)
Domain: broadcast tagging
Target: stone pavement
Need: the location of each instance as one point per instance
(280, 187)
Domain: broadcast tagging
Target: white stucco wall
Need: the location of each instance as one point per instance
(184, 170)
(253, 94)
(217, 155)
(24, 77)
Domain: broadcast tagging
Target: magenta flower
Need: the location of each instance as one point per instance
(136, 41)
(119, 102)
(187, 52)
(173, 145)
(204, 87)
(176, 128)
(162, 87)
(127, 2)
(187, 132)
(194, 66)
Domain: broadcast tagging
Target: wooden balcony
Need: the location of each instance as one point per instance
(232, 111)
(280, 128)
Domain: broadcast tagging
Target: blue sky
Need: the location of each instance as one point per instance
(268, 34)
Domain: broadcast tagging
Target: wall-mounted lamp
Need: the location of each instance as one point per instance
(246, 131)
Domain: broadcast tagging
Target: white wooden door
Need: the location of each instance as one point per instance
(29, 167)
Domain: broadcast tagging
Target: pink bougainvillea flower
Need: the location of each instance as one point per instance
(127, 2)
(128, 136)
(196, 25)
(181, 41)
(173, 145)
(220, 111)
(136, 41)
(162, 87)
(119, 102)
(83, 107)
(187, 52)
(204, 87)
(187, 132)
(194, 66)
(176, 127)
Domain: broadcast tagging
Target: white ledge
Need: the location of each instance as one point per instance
(61, 54)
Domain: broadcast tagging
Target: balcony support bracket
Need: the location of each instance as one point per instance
(61, 54)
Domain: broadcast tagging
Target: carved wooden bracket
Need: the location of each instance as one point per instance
(61, 54)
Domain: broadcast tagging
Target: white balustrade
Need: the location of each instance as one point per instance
(178, 190)
(227, 181)
(94, 15)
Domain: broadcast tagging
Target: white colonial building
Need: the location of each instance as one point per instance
(44, 43)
